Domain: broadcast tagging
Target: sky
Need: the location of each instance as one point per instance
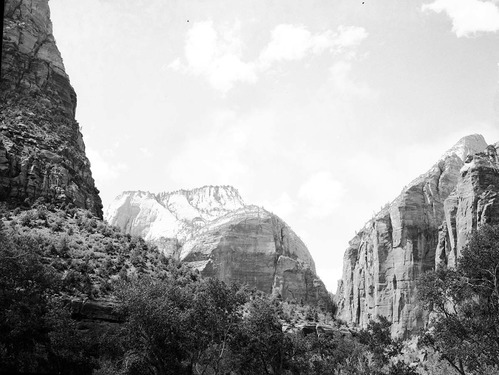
(321, 111)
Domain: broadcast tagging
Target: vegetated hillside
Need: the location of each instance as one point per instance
(60, 269)
(89, 254)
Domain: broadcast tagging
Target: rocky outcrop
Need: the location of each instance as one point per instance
(405, 238)
(212, 229)
(42, 154)
(474, 202)
(95, 314)
(167, 217)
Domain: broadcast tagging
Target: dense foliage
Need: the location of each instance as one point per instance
(183, 324)
(172, 320)
(37, 333)
(465, 327)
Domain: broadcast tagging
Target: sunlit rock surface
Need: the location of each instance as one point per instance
(42, 154)
(213, 230)
(475, 201)
(403, 240)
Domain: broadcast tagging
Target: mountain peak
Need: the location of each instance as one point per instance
(223, 194)
(468, 145)
(175, 211)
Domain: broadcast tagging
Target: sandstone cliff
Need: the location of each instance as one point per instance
(42, 154)
(407, 237)
(474, 201)
(213, 230)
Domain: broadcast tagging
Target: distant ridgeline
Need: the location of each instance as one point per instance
(42, 154)
(212, 229)
(427, 225)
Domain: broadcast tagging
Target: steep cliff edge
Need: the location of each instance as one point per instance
(475, 201)
(214, 231)
(407, 237)
(42, 154)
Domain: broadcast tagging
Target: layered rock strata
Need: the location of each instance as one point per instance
(406, 238)
(42, 154)
(214, 231)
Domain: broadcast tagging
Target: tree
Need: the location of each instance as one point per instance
(259, 346)
(179, 324)
(36, 331)
(465, 326)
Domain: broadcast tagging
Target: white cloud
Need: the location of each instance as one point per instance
(217, 54)
(339, 75)
(282, 206)
(214, 157)
(350, 36)
(468, 16)
(290, 42)
(146, 152)
(321, 193)
(175, 64)
(103, 169)
(230, 148)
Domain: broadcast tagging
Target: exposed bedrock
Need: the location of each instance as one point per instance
(410, 235)
(212, 229)
(475, 201)
(42, 154)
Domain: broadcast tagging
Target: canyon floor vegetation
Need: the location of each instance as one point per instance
(169, 320)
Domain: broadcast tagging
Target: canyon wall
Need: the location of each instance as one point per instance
(426, 225)
(42, 154)
(214, 231)
(474, 202)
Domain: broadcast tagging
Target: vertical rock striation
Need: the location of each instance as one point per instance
(406, 237)
(212, 229)
(42, 154)
(475, 201)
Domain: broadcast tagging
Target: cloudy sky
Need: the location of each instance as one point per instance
(319, 110)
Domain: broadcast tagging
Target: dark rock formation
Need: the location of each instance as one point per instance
(407, 237)
(95, 314)
(42, 154)
(214, 231)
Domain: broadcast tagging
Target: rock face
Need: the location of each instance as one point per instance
(407, 237)
(213, 230)
(474, 202)
(42, 154)
(172, 215)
